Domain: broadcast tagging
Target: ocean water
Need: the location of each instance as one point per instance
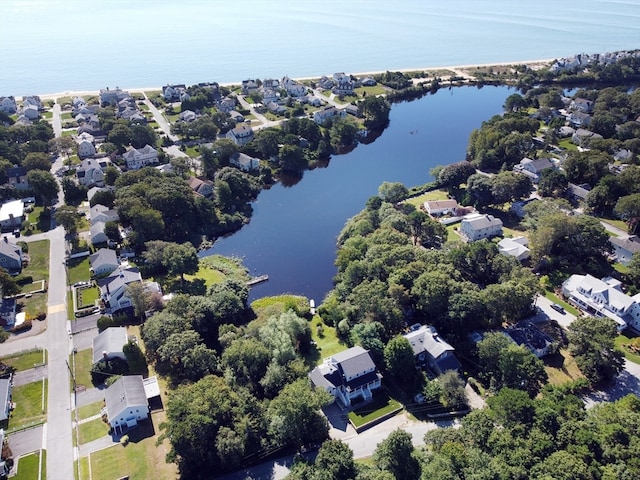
(51, 46)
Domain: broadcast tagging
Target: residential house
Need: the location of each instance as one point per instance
(85, 144)
(173, 93)
(533, 168)
(579, 119)
(101, 213)
(329, 111)
(352, 110)
(431, 350)
(244, 162)
(276, 108)
(90, 172)
(578, 193)
(18, 178)
(112, 97)
(325, 83)
(478, 226)
(529, 336)
(269, 95)
(249, 87)
(109, 344)
(518, 207)
(137, 158)
(201, 187)
(271, 83)
(113, 288)
(348, 375)
(5, 398)
(581, 105)
(188, 116)
(7, 312)
(368, 82)
(103, 262)
(293, 88)
(11, 215)
(603, 298)
(625, 247)
(32, 101)
(515, 247)
(126, 402)
(582, 137)
(342, 84)
(97, 233)
(240, 135)
(227, 104)
(440, 207)
(8, 105)
(10, 256)
(93, 190)
(566, 131)
(31, 112)
(236, 116)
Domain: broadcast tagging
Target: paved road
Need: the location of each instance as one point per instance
(56, 120)
(160, 120)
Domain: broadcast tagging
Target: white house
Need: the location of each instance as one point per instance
(515, 247)
(244, 162)
(603, 298)
(533, 168)
(97, 233)
(431, 349)
(91, 172)
(440, 207)
(137, 158)
(477, 226)
(85, 145)
(624, 248)
(240, 135)
(103, 261)
(11, 214)
(293, 88)
(100, 213)
(126, 402)
(8, 105)
(109, 344)
(321, 116)
(113, 288)
(347, 375)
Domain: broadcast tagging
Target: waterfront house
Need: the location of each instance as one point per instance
(477, 226)
(113, 288)
(112, 97)
(18, 178)
(32, 101)
(102, 262)
(201, 187)
(8, 105)
(11, 215)
(10, 256)
(515, 247)
(244, 162)
(137, 158)
(109, 344)
(240, 135)
(603, 298)
(321, 116)
(348, 375)
(625, 247)
(5, 398)
(342, 84)
(431, 350)
(249, 87)
(173, 93)
(440, 207)
(31, 112)
(126, 402)
(293, 88)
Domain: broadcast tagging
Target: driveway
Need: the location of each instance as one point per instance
(27, 441)
(31, 375)
(627, 382)
(547, 313)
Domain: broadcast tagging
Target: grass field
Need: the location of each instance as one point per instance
(327, 342)
(29, 404)
(382, 405)
(554, 298)
(561, 367)
(87, 296)
(26, 360)
(622, 343)
(78, 270)
(268, 307)
(90, 410)
(83, 361)
(40, 221)
(141, 459)
(92, 430)
(29, 466)
(432, 195)
(38, 269)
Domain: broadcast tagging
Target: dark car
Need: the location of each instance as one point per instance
(558, 308)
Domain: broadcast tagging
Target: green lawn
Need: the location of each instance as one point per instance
(452, 236)
(40, 221)
(567, 144)
(29, 465)
(38, 266)
(87, 297)
(274, 306)
(432, 195)
(561, 367)
(92, 430)
(47, 115)
(29, 400)
(25, 360)
(621, 224)
(90, 410)
(78, 270)
(83, 362)
(371, 91)
(382, 404)
(66, 116)
(554, 298)
(327, 342)
(623, 343)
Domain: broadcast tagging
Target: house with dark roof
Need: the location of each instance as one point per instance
(201, 187)
(126, 402)
(18, 178)
(244, 162)
(240, 135)
(109, 344)
(113, 288)
(529, 336)
(431, 350)
(10, 256)
(348, 375)
(624, 248)
(102, 262)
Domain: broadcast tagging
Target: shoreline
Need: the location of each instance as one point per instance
(72, 93)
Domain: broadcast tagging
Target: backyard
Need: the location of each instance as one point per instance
(87, 296)
(25, 360)
(381, 405)
(31, 405)
(37, 269)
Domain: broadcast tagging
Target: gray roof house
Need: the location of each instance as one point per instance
(113, 288)
(478, 226)
(431, 349)
(348, 375)
(240, 135)
(103, 261)
(244, 162)
(101, 213)
(18, 178)
(624, 248)
(108, 344)
(97, 233)
(5, 398)
(515, 247)
(533, 168)
(10, 256)
(126, 402)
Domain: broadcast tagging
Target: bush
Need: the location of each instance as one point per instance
(23, 327)
(4, 335)
(24, 279)
(124, 440)
(104, 322)
(41, 316)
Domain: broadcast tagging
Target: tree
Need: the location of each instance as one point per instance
(392, 192)
(135, 359)
(629, 207)
(111, 174)
(591, 342)
(180, 259)
(292, 158)
(120, 135)
(335, 461)
(184, 356)
(140, 297)
(453, 394)
(44, 186)
(74, 193)
(395, 454)
(37, 161)
(552, 183)
(342, 134)
(510, 186)
(375, 111)
(399, 359)
(479, 189)
(68, 217)
(455, 174)
(8, 285)
(514, 102)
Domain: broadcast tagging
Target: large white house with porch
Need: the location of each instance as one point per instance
(348, 375)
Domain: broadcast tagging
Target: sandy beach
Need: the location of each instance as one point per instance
(457, 69)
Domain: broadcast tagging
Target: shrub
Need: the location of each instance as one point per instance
(23, 327)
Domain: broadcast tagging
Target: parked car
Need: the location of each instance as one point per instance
(558, 308)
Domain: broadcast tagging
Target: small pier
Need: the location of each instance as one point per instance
(256, 280)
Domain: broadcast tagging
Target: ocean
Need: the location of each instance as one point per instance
(52, 46)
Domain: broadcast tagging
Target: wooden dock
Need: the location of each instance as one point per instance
(256, 280)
